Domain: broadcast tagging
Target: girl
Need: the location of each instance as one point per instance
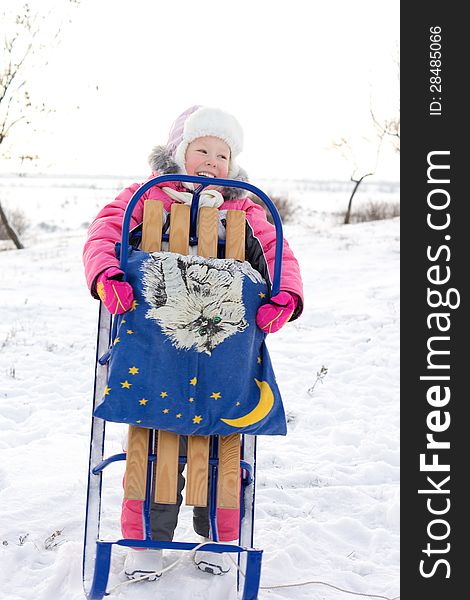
(205, 142)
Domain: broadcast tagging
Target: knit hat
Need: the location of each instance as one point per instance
(200, 121)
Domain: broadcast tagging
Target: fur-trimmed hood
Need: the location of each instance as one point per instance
(161, 162)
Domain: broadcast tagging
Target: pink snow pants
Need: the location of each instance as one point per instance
(164, 517)
(132, 521)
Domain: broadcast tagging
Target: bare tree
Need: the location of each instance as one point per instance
(23, 45)
(384, 129)
(346, 147)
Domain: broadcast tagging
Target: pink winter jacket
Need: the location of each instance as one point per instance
(105, 231)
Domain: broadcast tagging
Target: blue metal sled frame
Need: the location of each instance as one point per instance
(97, 553)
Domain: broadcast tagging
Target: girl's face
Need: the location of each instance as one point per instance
(208, 156)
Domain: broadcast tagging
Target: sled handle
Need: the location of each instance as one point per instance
(204, 182)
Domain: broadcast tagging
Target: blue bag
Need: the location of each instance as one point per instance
(188, 357)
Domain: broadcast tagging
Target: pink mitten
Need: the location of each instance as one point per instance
(272, 316)
(116, 295)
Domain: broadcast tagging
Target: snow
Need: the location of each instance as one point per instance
(327, 504)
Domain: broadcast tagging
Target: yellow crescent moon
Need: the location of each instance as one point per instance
(265, 404)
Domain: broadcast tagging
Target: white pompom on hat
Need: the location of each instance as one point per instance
(201, 121)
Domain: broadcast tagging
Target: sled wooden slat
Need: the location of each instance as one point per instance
(235, 242)
(197, 470)
(136, 463)
(208, 232)
(166, 476)
(179, 229)
(152, 226)
(228, 483)
(198, 446)
(138, 438)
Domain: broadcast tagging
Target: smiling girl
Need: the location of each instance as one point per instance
(203, 141)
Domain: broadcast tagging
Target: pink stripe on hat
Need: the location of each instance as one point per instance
(176, 131)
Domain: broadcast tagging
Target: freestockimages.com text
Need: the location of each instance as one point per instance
(441, 299)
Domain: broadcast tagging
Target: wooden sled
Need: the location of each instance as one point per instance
(228, 460)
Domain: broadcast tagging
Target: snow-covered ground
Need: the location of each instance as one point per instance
(327, 493)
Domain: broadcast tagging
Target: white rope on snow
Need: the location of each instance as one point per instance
(284, 585)
(262, 587)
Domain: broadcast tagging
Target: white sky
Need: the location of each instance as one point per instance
(296, 74)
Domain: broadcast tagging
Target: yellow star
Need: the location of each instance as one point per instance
(193, 381)
(163, 394)
(215, 395)
(126, 384)
(116, 341)
(197, 419)
(259, 360)
(133, 370)
(262, 295)
(143, 402)
(134, 305)
(123, 321)
(237, 404)
(107, 390)
(166, 410)
(179, 415)
(130, 332)
(191, 399)
(139, 421)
